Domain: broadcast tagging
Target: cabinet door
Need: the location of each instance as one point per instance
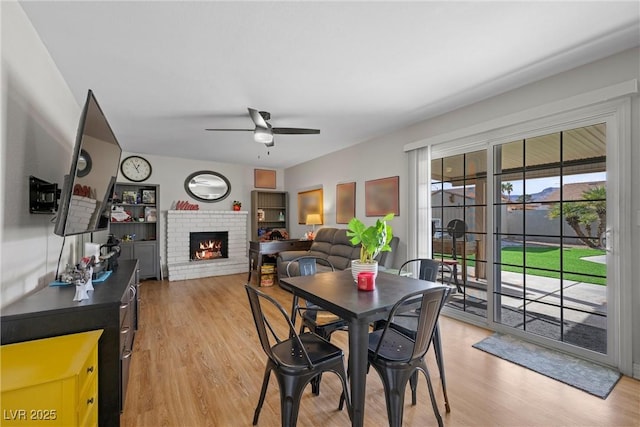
(147, 256)
(126, 251)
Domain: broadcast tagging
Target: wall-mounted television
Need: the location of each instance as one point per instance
(85, 200)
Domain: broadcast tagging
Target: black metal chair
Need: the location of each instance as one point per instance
(312, 316)
(295, 360)
(407, 323)
(397, 357)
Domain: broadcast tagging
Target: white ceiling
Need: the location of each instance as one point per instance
(164, 71)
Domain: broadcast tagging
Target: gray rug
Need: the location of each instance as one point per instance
(590, 377)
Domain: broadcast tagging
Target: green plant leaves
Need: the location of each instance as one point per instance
(374, 239)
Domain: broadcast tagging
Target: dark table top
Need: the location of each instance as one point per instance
(337, 292)
(53, 298)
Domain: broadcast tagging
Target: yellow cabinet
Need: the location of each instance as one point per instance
(51, 381)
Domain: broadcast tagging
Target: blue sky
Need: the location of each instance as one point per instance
(537, 185)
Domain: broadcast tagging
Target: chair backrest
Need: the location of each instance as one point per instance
(307, 265)
(266, 331)
(427, 268)
(431, 302)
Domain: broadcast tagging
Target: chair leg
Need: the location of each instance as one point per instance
(395, 383)
(263, 393)
(431, 394)
(437, 347)
(413, 383)
(294, 311)
(315, 383)
(291, 389)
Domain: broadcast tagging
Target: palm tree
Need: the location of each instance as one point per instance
(507, 187)
(584, 213)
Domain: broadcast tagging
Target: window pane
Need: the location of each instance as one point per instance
(508, 313)
(542, 151)
(586, 146)
(545, 256)
(538, 223)
(453, 169)
(436, 170)
(587, 330)
(509, 157)
(475, 218)
(541, 186)
(476, 164)
(543, 320)
(512, 254)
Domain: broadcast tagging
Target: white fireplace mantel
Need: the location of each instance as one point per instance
(182, 222)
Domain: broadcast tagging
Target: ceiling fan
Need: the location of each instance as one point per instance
(264, 132)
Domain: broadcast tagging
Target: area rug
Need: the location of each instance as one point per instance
(590, 377)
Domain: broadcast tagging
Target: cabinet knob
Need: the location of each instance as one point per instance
(90, 369)
(90, 401)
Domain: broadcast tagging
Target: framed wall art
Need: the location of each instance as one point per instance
(345, 202)
(264, 178)
(381, 196)
(309, 202)
(149, 196)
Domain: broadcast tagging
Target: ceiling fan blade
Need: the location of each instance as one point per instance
(258, 119)
(294, 131)
(233, 130)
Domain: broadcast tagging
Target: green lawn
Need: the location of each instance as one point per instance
(548, 258)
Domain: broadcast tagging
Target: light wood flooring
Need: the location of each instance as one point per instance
(197, 362)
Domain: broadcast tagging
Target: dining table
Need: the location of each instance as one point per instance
(338, 293)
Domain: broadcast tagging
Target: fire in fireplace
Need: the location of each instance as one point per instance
(208, 245)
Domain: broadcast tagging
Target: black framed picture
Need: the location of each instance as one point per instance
(149, 196)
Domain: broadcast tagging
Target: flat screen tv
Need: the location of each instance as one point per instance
(85, 200)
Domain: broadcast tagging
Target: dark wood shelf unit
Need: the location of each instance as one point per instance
(145, 246)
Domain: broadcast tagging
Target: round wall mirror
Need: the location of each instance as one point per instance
(207, 186)
(84, 164)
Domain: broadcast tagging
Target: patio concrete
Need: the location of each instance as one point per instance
(588, 297)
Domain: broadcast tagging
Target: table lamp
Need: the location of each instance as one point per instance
(313, 220)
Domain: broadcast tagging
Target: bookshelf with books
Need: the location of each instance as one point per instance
(134, 220)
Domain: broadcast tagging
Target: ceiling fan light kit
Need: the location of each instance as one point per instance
(264, 136)
(263, 131)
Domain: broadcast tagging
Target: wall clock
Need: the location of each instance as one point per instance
(136, 168)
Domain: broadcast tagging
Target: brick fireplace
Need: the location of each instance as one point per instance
(180, 224)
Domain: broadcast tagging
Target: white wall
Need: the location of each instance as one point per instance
(39, 117)
(170, 173)
(384, 156)
(380, 158)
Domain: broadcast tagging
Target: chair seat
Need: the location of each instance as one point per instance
(396, 346)
(289, 354)
(323, 318)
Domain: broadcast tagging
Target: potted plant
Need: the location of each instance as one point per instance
(237, 205)
(373, 240)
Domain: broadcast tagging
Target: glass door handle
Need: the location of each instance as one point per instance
(606, 240)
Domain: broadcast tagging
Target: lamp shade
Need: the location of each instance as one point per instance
(314, 219)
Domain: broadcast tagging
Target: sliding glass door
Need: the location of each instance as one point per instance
(545, 271)
(550, 216)
(458, 212)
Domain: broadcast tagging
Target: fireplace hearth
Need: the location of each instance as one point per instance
(208, 245)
